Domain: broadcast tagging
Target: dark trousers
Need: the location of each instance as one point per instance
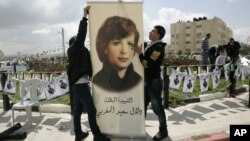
(232, 86)
(83, 98)
(71, 98)
(212, 60)
(153, 89)
(204, 59)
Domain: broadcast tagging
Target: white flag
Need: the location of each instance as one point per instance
(189, 83)
(57, 87)
(204, 82)
(24, 91)
(10, 86)
(1, 88)
(227, 71)
(238, 71)
(175, 79)
(62, 84)
(216, 78)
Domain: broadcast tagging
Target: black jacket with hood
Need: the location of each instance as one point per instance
(79, 56)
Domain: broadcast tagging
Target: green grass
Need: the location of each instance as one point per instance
(176, 96)
(60, 100)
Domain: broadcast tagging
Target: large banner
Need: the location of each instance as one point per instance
(118, 89)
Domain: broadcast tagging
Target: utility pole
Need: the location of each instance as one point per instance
(63, 44)
(19, 54)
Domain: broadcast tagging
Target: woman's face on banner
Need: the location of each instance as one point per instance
(120, 52)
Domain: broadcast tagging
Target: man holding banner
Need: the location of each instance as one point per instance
(79, 78)
(152, 60)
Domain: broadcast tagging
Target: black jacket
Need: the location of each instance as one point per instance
(108, 79)
(79, 56)
(153, 69)
(233, 50)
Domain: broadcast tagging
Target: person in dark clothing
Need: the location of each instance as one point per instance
(115, 44)
(205, 47)
(152, 60)
(214, 52)
(233, 51)
(79, 72)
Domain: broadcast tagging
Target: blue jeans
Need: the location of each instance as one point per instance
(153, 89)
(204, 59)
(83, 98)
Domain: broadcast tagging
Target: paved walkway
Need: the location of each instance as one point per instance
(209, 119)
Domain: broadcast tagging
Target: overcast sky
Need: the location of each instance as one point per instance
(32, 26)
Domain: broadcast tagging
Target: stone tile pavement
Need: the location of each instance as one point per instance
(210, 119)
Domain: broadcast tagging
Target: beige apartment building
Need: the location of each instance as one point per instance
(1, 55)
(248, 40)
(187, 36)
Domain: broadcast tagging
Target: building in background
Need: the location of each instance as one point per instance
(186, 37)
(1, 55)
(248, 40)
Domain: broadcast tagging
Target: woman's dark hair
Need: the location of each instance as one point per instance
(160, 30)
(114, 28)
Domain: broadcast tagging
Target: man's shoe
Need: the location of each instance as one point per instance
(101, 137)
(79, 137)
(233, 96)
(160, 135)
(227, 95)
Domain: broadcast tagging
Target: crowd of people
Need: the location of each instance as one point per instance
(217, 57)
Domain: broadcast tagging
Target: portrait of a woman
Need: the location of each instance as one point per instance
(115, 44)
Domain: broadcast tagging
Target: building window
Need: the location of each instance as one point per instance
(199, 26)
(188, 35)
(188, 51)
(188, 42)
(199, 35)
(177, 36)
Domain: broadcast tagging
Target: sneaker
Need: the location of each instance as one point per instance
(101, 137)
(160, 135)
(81, 136)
